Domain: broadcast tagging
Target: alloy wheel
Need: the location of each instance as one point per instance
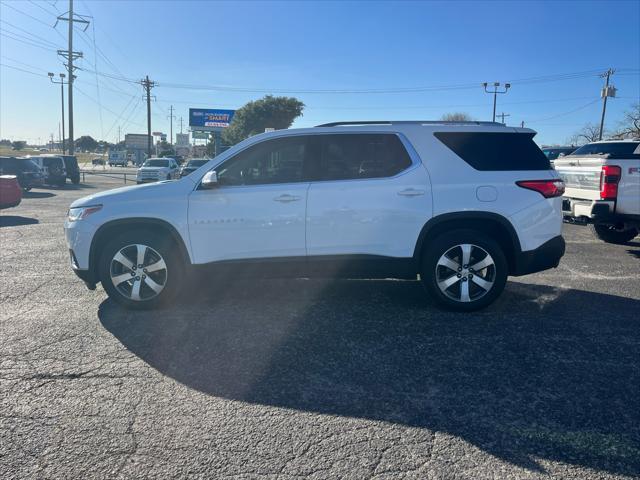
(138, 272)
(465, 273)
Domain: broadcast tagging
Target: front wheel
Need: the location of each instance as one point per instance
(464, 270)
(141, 270)
(610, 234)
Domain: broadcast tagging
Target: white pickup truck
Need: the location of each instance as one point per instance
(602, 182)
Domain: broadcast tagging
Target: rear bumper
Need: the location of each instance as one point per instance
(546, 256)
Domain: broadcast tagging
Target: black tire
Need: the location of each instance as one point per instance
(26, 189)
(448, 242)
(75, 180)
(173, 274)
(610, 234)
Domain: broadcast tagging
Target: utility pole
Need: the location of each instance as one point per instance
(148, 85)
(496, 91)
(62, 84)
(502, 115)
(60, 139)
(522, 124)
(171, 117)
(606, 92)
(180, 125)
(70, 56)
(118, 133)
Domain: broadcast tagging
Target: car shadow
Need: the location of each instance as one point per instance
(32, 194)
(634, 253)
(16, 221)
(543, 374)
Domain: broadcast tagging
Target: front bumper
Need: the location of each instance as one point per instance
(544, 257)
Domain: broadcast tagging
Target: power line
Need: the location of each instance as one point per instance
(23, 70)
(32, 17)
(37, 37)
(32, 43)
(564, 113)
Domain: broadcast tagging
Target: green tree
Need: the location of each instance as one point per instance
(255, 116)
(86, 143)
(6, 143)
(18, 144)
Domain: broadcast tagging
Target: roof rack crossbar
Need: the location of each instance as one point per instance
(405, 122)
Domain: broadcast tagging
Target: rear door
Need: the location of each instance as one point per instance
(372, 197)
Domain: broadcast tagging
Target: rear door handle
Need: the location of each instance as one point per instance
(411, 192)
(286, 198)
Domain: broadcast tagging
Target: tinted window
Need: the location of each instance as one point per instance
(196, 163)
(352, 156)
(156, 163)
(280, 160)
(496, 151)
(613, 148)
(29, 166)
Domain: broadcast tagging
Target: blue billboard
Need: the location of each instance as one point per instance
(209, 119)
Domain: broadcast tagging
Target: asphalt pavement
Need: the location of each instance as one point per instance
(313, 378)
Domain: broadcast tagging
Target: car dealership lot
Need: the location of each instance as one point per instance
(328, 379)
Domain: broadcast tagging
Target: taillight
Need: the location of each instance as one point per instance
(609, 179)
(546, 188)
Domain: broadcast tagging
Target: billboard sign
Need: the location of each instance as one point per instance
(210, 120)
(200, 135)
(136, 140)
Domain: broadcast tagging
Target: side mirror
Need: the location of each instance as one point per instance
(210, 180)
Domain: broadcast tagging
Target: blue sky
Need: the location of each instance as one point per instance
(297, 48)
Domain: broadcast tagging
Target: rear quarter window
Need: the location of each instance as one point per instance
(496, 151)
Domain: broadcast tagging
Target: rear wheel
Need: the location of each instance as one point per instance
(464, 270)
(610, 234)
(141, 270)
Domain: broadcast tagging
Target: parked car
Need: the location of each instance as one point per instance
(192, 165)
(10, 191)
(98, 161)
(603, 188)
(71, 167)
(52, 167)
(118, 158)
(156, 169)
(27, 172)
(461, 204)
(552, 153)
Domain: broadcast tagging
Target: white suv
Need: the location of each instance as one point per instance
(463, 205)
(157, 169)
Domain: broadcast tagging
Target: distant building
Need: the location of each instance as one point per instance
(136, 145)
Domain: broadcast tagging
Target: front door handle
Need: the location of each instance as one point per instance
(286, 198)
(411, 192)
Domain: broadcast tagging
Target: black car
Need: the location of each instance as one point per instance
(28, 173)
(192, 165)
(71, 166)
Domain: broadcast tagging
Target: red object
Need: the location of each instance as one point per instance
(546, 188)
(10, 191)
(609, 179)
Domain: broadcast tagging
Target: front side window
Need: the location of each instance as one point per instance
(362, 155)
(281, 160)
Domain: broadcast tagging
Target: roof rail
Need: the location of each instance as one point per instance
(409, 122)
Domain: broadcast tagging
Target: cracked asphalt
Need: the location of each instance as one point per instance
(300, 378)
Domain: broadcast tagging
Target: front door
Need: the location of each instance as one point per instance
(258, 210)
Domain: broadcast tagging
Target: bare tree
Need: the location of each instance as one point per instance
(587, 134)
(456, 117)
(629, 126)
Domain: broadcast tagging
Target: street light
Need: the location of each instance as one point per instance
(495, 91)
(62, 84)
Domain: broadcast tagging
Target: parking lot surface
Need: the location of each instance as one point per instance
(313, 378)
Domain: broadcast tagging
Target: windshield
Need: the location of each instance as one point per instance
(196, 163)
(156, 162)
(613, 148)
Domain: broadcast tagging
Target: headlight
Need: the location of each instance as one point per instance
(81, 213)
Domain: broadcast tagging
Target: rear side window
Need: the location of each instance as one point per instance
(496, 150)
(357, 156)
(631, 149)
